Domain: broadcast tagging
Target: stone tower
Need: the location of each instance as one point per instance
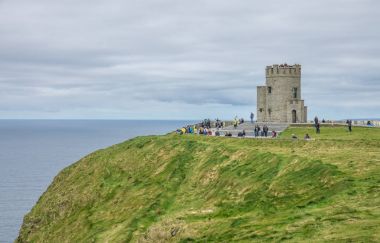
(280, 99)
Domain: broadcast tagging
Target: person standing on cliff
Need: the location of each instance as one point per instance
(236, 122)
(316, 121)
(349, 124)
(252, 116)
(265, 130)
(317, 126)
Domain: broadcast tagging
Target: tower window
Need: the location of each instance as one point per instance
(294, 93)
(261, 109)
(269, 110)
(269, 90)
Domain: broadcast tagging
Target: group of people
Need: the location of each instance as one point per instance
(206, 123)
(306, 137)
(205, 128)
(317, 125)
(218, 123)
(261, 132)
(202, 128)
(237, 121)
(195, 129)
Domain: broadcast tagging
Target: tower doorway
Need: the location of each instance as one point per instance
(294, 116)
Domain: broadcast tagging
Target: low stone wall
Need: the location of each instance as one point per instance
(226, 123)
(375, 123)
(360, 123)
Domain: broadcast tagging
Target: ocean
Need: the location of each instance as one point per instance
(32, 152)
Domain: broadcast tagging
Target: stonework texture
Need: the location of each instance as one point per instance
(280, 99)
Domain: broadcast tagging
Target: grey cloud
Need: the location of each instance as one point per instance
(165, 58)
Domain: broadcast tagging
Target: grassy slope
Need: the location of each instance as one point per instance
(217, 189)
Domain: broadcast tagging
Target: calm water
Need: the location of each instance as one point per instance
(32, 152)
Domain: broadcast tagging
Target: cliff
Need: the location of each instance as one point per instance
(193, 188)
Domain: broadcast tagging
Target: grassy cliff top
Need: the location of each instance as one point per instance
(195, 188)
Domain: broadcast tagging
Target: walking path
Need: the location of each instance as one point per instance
(249, 128)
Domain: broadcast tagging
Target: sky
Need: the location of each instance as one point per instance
(171, 59)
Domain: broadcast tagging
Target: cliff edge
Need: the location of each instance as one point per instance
(187, 188)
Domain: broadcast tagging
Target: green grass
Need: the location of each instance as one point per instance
(203, 189)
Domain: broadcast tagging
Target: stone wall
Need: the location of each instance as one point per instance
(261, 103)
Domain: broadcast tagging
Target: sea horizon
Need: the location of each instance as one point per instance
(142, 119)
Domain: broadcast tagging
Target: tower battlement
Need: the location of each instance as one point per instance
(283, 70)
